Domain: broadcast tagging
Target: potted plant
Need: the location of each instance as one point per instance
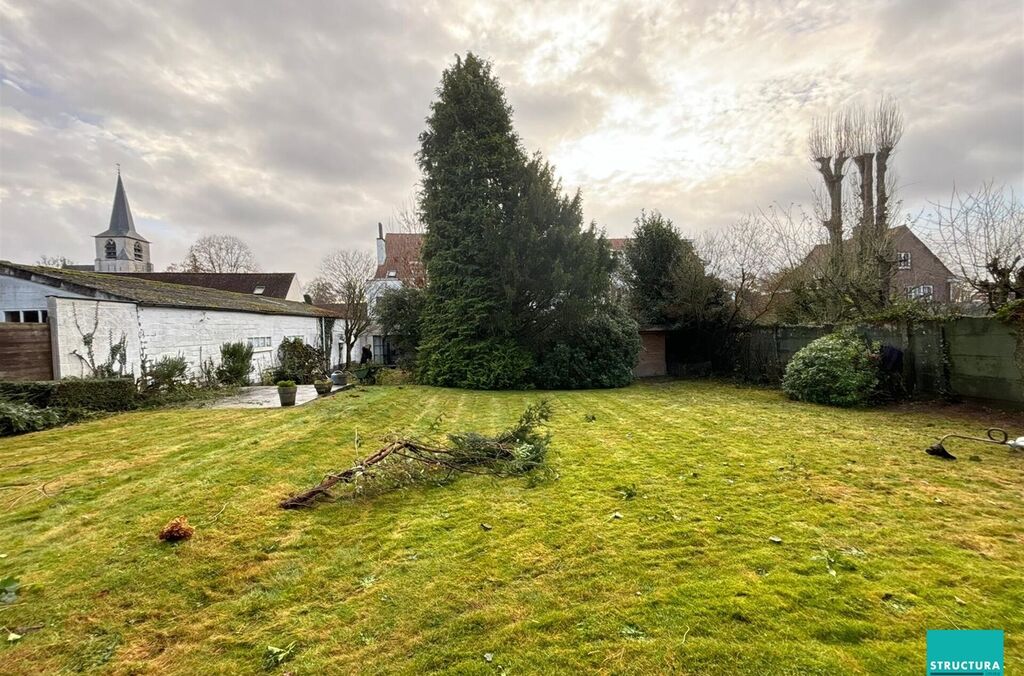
(323, 386)
(286, 390)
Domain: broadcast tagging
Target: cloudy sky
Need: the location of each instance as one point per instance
(294, 125)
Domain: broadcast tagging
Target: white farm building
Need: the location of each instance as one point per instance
(76, 317)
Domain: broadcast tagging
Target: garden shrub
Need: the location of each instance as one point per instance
(235, 363)
(109, 394)
(299, 362)
(840, 369)
(18, 418)
(601, 352)
(368, 373)
(487, 364)
(38, 393)
(166, 373)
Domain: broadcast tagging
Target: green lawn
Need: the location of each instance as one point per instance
(879, 541)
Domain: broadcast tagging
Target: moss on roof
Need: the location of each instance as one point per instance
(160, 294)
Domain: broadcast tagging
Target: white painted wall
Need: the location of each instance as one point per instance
(21, 294)
(72, 318)
(198, 334)
(155, 332)
(295, 291)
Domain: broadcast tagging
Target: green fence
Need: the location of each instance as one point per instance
(971, 357)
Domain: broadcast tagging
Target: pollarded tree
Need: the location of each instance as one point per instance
(509, 263)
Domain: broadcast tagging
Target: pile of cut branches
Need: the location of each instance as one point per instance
(518, 450)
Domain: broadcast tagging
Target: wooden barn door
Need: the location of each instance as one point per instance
(25, 352)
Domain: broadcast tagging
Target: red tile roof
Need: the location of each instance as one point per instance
(402, 253)
(403, 259)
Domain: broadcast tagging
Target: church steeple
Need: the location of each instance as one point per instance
(120, 248)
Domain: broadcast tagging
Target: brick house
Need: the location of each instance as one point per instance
(919, 274)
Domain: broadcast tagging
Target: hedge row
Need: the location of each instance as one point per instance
(114, 394)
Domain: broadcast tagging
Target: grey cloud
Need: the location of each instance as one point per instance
(294, 125)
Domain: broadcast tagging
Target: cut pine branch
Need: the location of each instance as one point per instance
(518, 450)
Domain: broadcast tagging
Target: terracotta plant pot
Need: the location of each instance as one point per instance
(287, 395)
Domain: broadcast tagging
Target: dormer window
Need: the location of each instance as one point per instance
(392, 274)
(138, 251)
(110, 249)
(902, 260)
(259, 290)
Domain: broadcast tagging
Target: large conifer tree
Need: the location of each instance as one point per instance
(510, 266)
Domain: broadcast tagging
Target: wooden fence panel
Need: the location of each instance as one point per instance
(25, 352)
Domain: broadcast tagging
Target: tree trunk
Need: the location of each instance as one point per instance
(864, 169)
(832, 173)
(881, 197)
(881, 226)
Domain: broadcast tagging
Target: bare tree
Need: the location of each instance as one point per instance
(407, 218)
(320, 292)
(54, 261)
(345, 278)
(748, 257)
(217, 253)
(981, 235)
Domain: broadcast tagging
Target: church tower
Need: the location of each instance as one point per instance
(120, 248)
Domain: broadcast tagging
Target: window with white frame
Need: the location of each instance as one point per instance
(920, 292)
(258, 291)
(26, 316)
(902, 260)
(260, 342)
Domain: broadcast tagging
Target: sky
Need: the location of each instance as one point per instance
(294, 125)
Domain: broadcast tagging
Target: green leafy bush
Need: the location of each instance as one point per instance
(398, 313)
(235, 363)
(367, 374)
(286, 383)
(73, 397)
(18, 418)
(38, 393)
(488, 364)
(840, 369)
(166, 373)
(299, 362)
(109, 394)
(599, 352)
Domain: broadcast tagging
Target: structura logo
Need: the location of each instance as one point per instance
(965, 652)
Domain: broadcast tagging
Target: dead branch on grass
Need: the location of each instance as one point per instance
(520, 449)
